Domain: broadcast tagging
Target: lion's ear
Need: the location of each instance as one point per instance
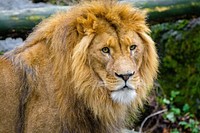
(86, 24)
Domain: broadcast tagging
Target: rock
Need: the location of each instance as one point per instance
(9, 43)
(19, 4)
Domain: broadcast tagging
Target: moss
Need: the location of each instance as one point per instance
(179, 50)
(35, 18)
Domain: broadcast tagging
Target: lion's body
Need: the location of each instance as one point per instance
(57, 81)
(21, 101)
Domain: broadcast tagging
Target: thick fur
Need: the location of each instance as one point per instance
(55, 82)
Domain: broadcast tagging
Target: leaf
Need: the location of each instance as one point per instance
(176, 111)
(182, 123)
(174, 93)
(195, 130)
(166, 101)
(175, 131)
(191, 121)
(186, 108)
(192, 115)
(171, 117)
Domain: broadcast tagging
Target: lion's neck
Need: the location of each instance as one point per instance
(83, 119)
(96, 113)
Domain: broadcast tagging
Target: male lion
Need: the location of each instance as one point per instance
(80, 71)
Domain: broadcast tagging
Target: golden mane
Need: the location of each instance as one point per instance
(68, 36)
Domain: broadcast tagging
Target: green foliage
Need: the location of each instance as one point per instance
(1, 53)
(180, 119)
(174, 131)
(164, 3)
(170, 10)
(175, 11)
(179, 50)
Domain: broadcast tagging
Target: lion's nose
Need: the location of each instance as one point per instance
(125, 77)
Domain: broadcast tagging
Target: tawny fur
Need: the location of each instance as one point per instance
(51, 83)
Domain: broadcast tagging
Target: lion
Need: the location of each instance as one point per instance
(80, 71)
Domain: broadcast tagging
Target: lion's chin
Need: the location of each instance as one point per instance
(124, 96)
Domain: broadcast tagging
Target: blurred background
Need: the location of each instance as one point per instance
(175, 26)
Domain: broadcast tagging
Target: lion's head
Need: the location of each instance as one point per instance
(115, 52)
(102, 55)
(116, 60)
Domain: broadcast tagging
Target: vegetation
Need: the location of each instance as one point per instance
(179, 79)
(179, 49)
(179, 119)
(176, 119)
(185, 10)
(178, 85)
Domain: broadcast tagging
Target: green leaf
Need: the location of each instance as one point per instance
(174, 93)
(176, 111)
(166, 101)
(186, 108)
(182, 123)
(191, 121)
(192, 115)
(171, 117)
(174, 131)
(195, 130)
(187, 126)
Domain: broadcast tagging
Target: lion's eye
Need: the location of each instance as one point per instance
(105, 50)
(132, 47)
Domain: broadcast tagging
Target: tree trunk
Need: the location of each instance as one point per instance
(17, 23)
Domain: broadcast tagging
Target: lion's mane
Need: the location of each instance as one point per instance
(83, 106)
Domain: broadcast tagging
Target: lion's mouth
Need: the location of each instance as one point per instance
(125, 88)
(124, 95)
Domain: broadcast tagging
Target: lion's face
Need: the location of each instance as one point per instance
(115, 60)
